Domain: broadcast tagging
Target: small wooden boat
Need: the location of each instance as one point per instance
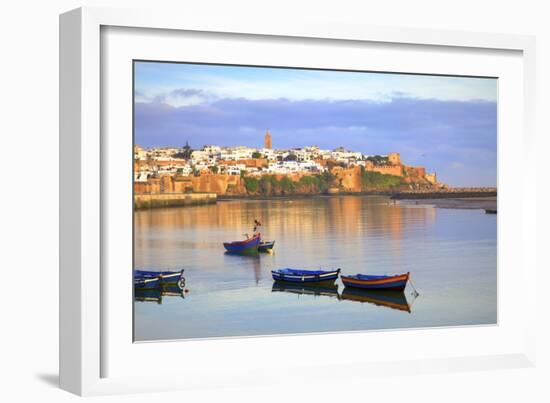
(389, 299)
(304, 276)
(370, 282)
(266, 246)
(248, 245)
(152, 279)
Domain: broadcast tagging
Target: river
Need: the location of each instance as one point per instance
(450, 253)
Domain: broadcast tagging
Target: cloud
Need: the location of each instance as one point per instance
(178, 97)
(265, 83)
(428, 132)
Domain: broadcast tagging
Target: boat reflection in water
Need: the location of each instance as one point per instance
(390, 299)
(328, 289)
(156, 294)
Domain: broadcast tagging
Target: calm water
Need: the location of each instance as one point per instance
(451, 255)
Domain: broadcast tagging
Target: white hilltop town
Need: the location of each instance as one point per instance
(178, 163)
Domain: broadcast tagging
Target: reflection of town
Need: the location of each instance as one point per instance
(343, 225)
(346, 215)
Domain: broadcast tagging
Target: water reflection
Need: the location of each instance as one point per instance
(157, 294)
(251, 261)
(349, 215)
(451, 254)
(327, 289)
(389, 299)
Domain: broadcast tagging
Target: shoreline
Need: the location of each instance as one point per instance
(473, 200)
(424, 196)
(458, 194)
(297, 196)
(487, 203)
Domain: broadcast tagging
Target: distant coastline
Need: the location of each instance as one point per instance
(480, 199)
(394, 195)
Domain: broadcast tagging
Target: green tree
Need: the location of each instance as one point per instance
(291, 157)
(256, 155)
(251, 184)
(214, 169)
(185, 152)
(378, 181)
(287, 185)
(378, 160)
(269, 185)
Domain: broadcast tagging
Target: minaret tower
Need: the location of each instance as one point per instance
(267, 139)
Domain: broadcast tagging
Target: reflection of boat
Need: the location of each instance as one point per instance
(330, 290)
(304, 276)
(152, 279)
(390, 299)
(248, 245)
(266, 246)
(395, 283)
(156, 294)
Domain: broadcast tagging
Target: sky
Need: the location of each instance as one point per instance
(446, 124)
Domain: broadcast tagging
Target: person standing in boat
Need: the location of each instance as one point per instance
(256, 225)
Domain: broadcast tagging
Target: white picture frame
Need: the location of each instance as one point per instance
(85, 300)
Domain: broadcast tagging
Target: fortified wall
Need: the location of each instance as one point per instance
(346, 179)
(205, 183)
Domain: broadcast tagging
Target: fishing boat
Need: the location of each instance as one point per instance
(152, 279)
(248, 245)
(371, 282)
(266, 246)
(389, 299)
(304, 276)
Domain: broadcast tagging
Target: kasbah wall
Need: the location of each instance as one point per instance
(222, 184)
(350, 178)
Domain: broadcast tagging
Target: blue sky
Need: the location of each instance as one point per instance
(447, 124)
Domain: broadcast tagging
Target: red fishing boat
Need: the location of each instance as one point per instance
(396, 282)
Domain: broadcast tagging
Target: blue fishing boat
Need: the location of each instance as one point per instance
(246, 246)
(266, 246)
(304, 276)
(396, 282)
(152, 279)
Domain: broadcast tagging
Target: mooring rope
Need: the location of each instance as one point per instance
(416, 293)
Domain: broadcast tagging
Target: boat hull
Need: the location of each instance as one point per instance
(305, 276)
(152, 279)
(266, 246)
(246, 246)
(390, 283)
